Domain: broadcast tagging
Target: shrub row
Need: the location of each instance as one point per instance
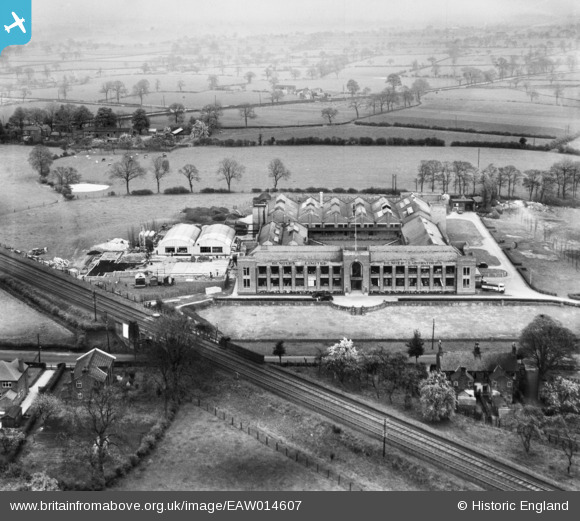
(362, 141)
(574, 296)
(176, 190)
(142, 192)
(447, 129)
(501, 144)
(214, 191)
(332, 141)
(148, 443)
(313, 189)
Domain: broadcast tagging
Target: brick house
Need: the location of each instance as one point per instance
(93, 369)
(486, 373)
(14, 382)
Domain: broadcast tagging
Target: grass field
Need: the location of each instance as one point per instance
(453, 322)
(19, 322)
(200, 452)
(351, 130)
(489, 109)
(330, 166)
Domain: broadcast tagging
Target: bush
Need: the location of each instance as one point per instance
(175, 190)
(142, 192)
(257, 190)
(214, 191)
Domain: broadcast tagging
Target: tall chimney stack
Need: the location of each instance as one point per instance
(321, 198)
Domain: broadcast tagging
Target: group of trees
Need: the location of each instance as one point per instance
(385, 372)
(561, 179)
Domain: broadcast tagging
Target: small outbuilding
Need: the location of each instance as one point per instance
(179, 240)
(215, 240)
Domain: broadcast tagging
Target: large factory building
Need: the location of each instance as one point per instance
(343, 244)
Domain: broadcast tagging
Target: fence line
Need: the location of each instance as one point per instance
(279, 446)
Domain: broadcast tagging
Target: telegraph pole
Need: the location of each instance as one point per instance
(39, 347)
(384, 437)
(433, 337)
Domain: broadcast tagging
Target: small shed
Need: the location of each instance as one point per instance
(140, 280)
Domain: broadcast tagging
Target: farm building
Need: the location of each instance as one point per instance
(342, 243)
(215, 240)
(179, 240)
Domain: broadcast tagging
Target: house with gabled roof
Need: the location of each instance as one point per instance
(92, 370)
(14, 383)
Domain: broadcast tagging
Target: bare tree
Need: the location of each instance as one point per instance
(329, 113)
(191, 173)
(141, 89)
(277, 171)
(65, 175)
(229, 170)
(247, 112)
(127, 169)
(160, 169)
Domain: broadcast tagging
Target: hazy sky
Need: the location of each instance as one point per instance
(246, 16)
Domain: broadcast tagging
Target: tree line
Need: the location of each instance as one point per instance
(129, 168)
(560, 180)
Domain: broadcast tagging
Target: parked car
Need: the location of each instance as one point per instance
(322, 295)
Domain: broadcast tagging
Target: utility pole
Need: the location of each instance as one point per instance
(107, 331)
(39, 347)
(478, 151)
(384, 437)
(433, 337)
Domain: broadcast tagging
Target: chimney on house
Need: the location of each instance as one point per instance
(321, 198)
(20, 365)
(463, 370)
(438, 361)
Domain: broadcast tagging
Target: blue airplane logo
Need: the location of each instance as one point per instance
(15, 22)
(18, 22)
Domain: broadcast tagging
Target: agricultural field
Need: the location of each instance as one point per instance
(488, 109)
(349, 130)
(20, 186)
(453, 322)
(29, 324)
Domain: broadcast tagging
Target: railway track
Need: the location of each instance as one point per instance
(459, 459)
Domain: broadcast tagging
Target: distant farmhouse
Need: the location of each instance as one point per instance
(341, 244)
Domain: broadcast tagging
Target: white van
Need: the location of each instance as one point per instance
(492, 286)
